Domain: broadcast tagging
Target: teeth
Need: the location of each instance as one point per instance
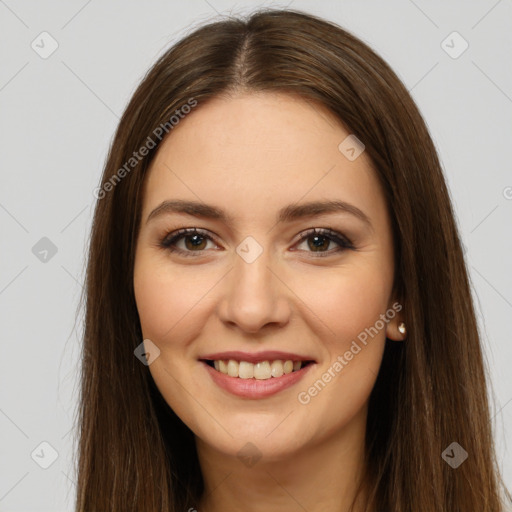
(233, 368)
(262, 371)
(276, 368)
(245, 369)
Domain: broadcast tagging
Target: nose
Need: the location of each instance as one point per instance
(254, 296)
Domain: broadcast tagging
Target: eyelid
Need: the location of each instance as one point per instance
(173, 236)
(327, 232)
(341, 240)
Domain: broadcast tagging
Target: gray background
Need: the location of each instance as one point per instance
(58, 116)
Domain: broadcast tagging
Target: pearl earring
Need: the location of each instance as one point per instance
(402, 328)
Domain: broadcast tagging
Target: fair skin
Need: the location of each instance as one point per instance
(250, 156)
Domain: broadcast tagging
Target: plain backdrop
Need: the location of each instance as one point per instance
(59, 111)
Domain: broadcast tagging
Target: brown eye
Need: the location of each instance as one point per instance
(319, 240)
(194, 241)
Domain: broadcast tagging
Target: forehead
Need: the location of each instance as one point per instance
(255, 152)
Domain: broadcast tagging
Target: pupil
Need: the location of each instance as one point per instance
(316, 237)
(196, 240)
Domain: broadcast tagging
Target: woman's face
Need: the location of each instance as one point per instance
(246, 172)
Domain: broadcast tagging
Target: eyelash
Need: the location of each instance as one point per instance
(169, 241)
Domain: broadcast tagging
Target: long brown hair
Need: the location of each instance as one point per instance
(134, 453)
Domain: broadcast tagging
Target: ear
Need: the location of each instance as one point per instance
(396, 317)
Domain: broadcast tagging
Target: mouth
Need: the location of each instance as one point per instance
(251, 375)
(256, 376)
(262, 370)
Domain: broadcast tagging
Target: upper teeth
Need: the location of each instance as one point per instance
(262, 370)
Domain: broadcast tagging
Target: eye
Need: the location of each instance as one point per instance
(322, 238)
(194, 240)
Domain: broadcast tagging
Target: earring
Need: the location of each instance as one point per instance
(402, 328)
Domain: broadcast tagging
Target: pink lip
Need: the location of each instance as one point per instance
(268, 355)
(254, 388)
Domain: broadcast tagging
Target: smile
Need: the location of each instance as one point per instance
(262, 370)
(255, 380)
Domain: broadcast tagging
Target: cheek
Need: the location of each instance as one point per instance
(164, 300)
(350, 304)
(169, 307)
(347, 301)
(156, 303)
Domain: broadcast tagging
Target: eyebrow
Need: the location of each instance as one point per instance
(286, 214)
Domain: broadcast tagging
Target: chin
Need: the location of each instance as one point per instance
(265, 441)
(250, 450)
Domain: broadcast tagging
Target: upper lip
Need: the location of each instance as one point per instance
(256, 357)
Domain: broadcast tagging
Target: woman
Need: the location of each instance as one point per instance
(278, 314)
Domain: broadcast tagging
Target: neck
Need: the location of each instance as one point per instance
(322, 476)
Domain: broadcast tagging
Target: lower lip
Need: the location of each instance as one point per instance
(255, 388)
